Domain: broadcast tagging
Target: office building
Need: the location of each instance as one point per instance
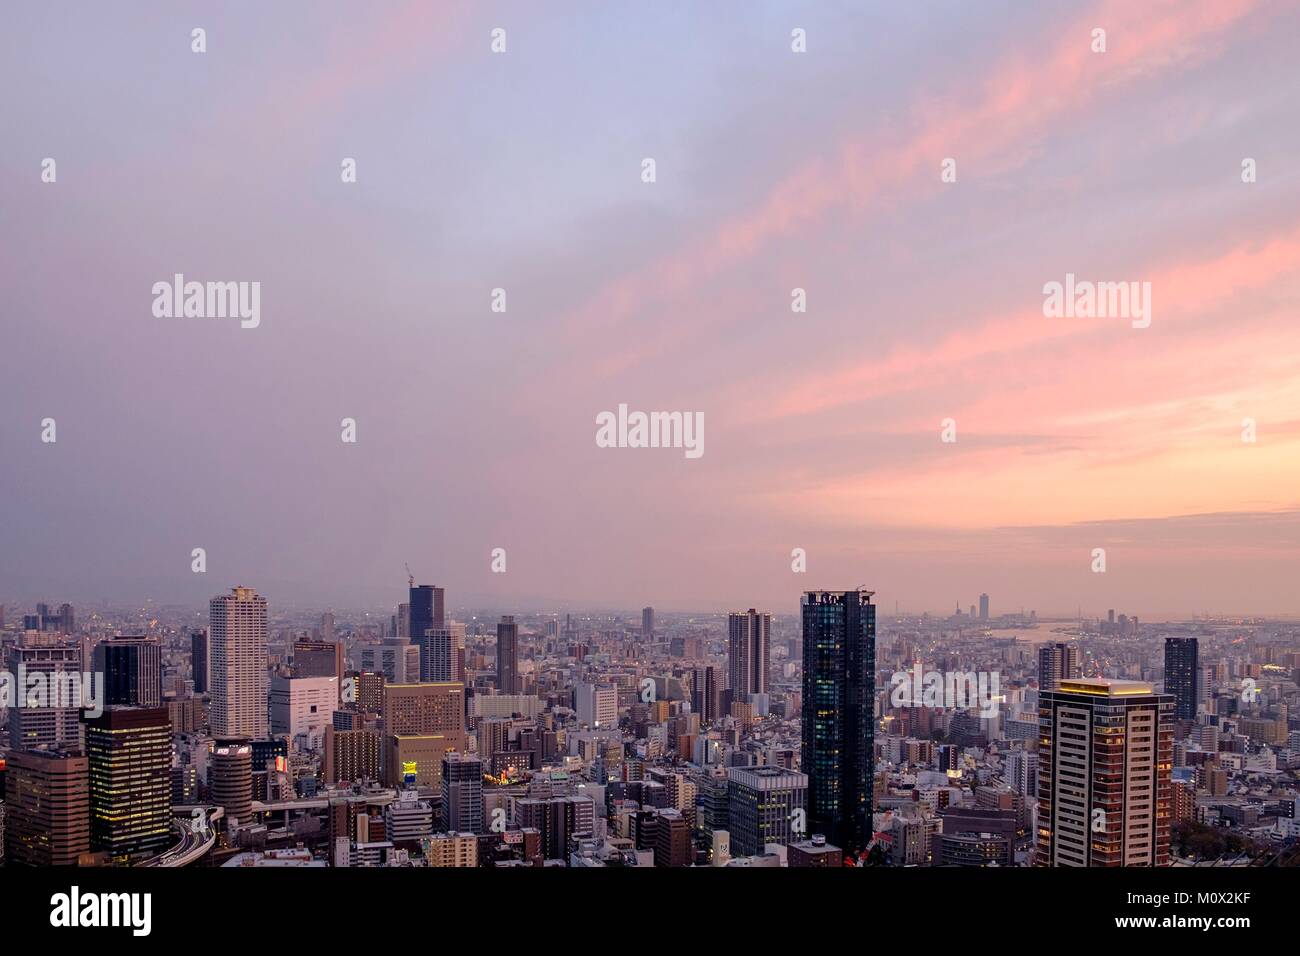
(48, 662)
(647, 623)
(596, 705)
(839, 663)
(302, 707)
(397, 659)
(132, 669)
(1104, 774)
(765, 805)
(47, 808)
(318, 659)
(237, 664)
(425, 610)
(230, 779)
(507, 655)
(199, 659)
(129, 752)
(442, 653)
(984, 607)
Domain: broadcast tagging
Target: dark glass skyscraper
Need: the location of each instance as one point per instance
(426, 610)
(132, 669)
(507, 655)
(199, 660)
(839, 665)
(1182, 671)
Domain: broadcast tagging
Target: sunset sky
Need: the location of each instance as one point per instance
(775, 170)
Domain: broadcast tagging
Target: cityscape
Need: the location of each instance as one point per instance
(851, 442)
(836, 736)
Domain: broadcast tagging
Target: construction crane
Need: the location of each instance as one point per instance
(410, 578)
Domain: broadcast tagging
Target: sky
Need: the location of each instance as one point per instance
(775, 170)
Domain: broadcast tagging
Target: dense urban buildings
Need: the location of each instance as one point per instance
(828, 737)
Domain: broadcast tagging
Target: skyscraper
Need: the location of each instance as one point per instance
(749, 636)
(647, 623)
(1057, 662)
(984, 607)
(426, 610)
(1182, 675)
(199, 659)
(132, 669)
(507, 656)
(839, 664)
(129, 751)
(704, 693)
(237, 644)
(1104, 774)
(442, 651)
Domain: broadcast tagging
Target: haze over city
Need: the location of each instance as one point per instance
(774, 172)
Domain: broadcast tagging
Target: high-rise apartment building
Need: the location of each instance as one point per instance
(839, 664)
(237, 664)
(351, 755)
(1057, 662)
(462, 793)
(1182, 675)
(129, 750)
(749, 639)
(1104, 774)
(705, 694)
